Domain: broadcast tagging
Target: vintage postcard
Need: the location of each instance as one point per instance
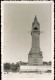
(27, 40)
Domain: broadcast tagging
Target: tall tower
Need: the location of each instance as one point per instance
(35, 55)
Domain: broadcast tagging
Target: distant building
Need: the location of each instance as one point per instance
(35, 55)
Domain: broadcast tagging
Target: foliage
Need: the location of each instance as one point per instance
(7, 66)
(11, 67)
(47, 63)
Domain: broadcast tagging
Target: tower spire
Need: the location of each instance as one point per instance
(35, 20)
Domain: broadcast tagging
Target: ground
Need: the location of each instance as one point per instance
(28, 76)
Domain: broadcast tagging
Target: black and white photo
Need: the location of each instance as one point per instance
(27, 40)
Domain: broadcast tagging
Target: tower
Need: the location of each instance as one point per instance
(35, 55)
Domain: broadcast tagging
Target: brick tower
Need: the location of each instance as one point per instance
(35, 55)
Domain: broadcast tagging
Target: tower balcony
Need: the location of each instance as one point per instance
(35, 31)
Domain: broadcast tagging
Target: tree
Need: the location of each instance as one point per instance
(45, 63)
(49, 63)
(14, 67)
(7, 67)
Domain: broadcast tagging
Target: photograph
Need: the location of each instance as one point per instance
(27, 40)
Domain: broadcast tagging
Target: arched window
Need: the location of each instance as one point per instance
(35, 28)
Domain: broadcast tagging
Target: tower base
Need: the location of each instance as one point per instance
(35, 58)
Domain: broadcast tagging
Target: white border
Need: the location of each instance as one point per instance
(27, 2)
(52, 32)
(52, 43)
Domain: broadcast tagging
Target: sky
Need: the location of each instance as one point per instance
(17, 21)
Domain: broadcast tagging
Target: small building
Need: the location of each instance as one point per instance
(29, 68)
